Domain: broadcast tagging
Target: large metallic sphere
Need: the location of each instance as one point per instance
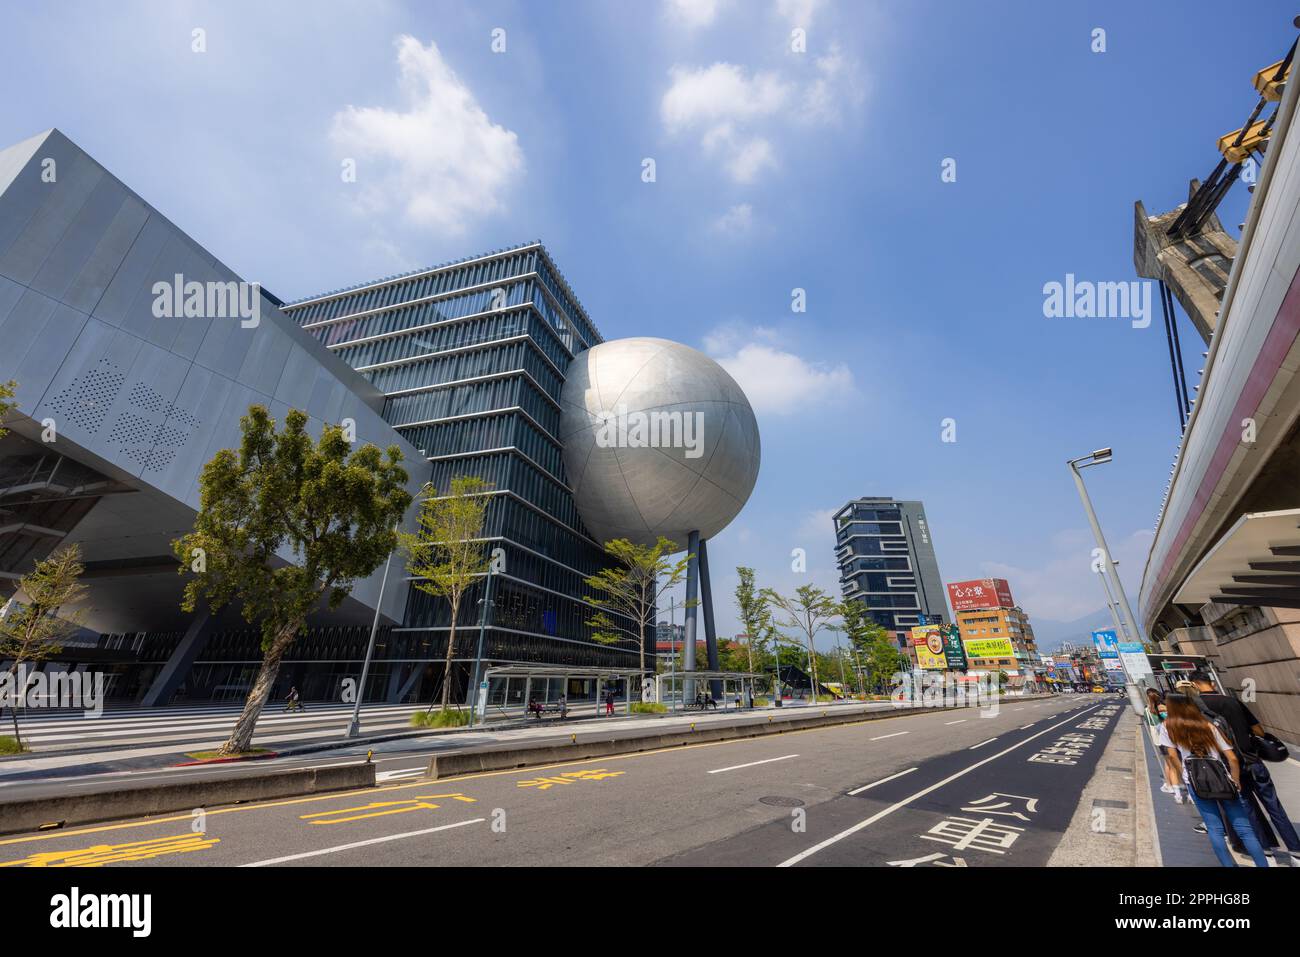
(658, 440)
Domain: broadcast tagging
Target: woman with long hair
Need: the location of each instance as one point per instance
(1155, 717)
(1188, 732)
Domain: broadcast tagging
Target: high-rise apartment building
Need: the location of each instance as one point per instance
(886, 559)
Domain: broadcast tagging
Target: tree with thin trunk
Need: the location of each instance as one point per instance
(755, 615)
(808, 610)
(631, 590)
(34, 623)
(871, 642)
(7, 390)
(446, 555)
(285, 523)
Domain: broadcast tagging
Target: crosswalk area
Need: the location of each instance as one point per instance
(195, 727)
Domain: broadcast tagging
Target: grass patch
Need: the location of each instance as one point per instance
(450, 718)
(649, 707)
(214, 755)
(9, 745)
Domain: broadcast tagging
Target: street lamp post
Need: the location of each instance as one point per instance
(486, 602)
(354, 726)
(1101, 457)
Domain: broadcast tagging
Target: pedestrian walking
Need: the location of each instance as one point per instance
(1211, 771)
(1246, 733)
(1155, 715)
(609, 702)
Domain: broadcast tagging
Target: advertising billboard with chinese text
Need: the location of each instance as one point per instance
(980, 593)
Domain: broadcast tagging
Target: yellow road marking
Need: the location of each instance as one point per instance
(568, 777)
(146, 822)
(395, 807)
(102, 854)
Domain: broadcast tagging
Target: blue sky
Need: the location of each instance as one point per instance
(774, 170)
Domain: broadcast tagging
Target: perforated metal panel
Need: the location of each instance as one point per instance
(88, 398)
(150, 433)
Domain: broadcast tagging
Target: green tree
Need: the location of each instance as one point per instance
(35, 630)
(327, 508)
(808, 610)
(7, 390)
(871, 643)
(755, 614)
(632, 588)
(447, 554)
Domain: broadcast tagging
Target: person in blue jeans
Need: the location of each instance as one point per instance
(1187, 731)
(1255, 776)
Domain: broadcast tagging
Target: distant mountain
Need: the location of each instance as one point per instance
(1051, 634)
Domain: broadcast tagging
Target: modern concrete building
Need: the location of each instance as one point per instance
(886, 559)
(135, 353)
(119, 407)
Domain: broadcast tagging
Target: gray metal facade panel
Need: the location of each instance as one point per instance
(151, 397)
(135, 271)
(78, 242)
(76, 179)
(91, 281)
(20, 328)
(262, 367)
(46, 350)
(13, 161)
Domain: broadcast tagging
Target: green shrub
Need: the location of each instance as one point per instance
(648, 707)
(9, 745)
(451, 718)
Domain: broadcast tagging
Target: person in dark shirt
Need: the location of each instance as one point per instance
(1255, 779)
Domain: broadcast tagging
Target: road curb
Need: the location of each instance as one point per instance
(37, 814)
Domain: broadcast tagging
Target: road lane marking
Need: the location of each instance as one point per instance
(850, 831)
(958, 721)
(981, 744)
(881, 737)
(355, 844)
(1024, 726)
(868, 787)
(737, 767)
(311, 799)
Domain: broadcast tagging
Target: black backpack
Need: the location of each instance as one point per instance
(1209, 779)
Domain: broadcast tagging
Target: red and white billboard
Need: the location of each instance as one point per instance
(980, 593)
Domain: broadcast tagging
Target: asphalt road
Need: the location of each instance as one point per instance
(943, 789)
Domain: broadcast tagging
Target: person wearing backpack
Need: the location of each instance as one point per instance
(1257, 782)
(1212, 773)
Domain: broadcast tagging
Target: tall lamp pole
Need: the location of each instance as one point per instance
(485, 602)
(1101, 457)
(354, 726)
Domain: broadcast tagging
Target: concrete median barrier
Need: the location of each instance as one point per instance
(43, 813)
(507, 757)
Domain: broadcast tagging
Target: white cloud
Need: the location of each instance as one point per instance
(441, 159)
(736, 221)
(693, 13)
(798, 12)
(776, 380)
(738, 114)
(1063, 587)
(716, 94)
(836, 86)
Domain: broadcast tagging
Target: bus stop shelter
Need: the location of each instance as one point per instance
(701, 682)
(522, 684)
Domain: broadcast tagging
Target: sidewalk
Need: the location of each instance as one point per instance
(1178, 844)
